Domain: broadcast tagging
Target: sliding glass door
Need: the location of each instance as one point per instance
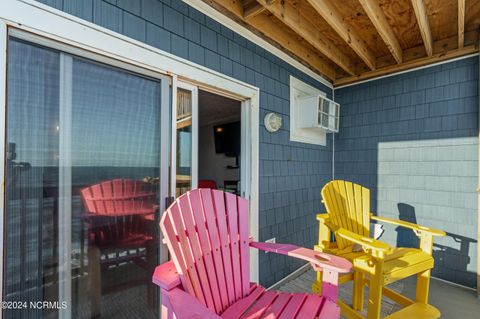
(83, 191)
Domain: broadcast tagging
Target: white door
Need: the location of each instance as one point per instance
(184, 138)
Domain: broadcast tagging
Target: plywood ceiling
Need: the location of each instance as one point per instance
(215, 109)
(352, 40)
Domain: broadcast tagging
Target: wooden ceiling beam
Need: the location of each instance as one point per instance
(376, 15)
(461, 23)
(263, 24)
(327, 10)
(289, 15)
(423, 25)
(252, 9)
(438, 56)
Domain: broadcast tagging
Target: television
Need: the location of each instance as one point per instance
(227, 139)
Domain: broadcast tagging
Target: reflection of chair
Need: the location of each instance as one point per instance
(375, 263)
(120, 219)
(207, 235)
(207, 183)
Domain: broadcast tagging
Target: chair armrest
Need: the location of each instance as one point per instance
(416, 228)
(166, 276)
(185, 305)
(374, 247)
(323, 233)
(323, 216)
(318, 259)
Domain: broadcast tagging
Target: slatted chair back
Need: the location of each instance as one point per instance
(206, 232)
(116, 208)
(348, 206)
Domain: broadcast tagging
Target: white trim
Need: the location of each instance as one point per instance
(3, 110)
(407, 71)
(300, 88)
(253, 194)
(164, 158)
(65, 187)
(194, 150)
(249, 35)
(173, 138)
(42, 20)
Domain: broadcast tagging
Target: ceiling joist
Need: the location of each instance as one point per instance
(252, 9)
(439, 57)
(423, 25)
(376, 15)
(331, 15)
(286, 40)
(313, 32)
(288, 14)
(461, 23)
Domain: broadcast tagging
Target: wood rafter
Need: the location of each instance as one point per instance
(414, 63)
(461, 23)
(252, 9)
(380, 22)
(313, 31)
(263, 24)
(423, 25)
(288, 14)
(327, 10)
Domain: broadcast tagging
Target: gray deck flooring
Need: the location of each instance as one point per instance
(452, 301)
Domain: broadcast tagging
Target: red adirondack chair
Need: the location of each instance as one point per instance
(206, 232)
(120, 217)
(207, 183)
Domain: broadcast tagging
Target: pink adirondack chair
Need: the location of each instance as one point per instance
(206, 232)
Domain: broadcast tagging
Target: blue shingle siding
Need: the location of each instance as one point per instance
(291, 174)
(82, 8)
(413, 140)
(107, 15)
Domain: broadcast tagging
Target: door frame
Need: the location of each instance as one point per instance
(66, 54)
(59, 27)
(194, 149)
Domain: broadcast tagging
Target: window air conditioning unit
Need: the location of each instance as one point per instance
(318, 113)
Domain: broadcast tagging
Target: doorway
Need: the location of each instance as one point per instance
(219, 142)
(209, 141)
(198, 115)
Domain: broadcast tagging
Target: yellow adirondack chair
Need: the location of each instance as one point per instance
(375, 263)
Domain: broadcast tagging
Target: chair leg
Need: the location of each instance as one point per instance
(423, 286)
(95, 281)
(317, 285)
(358, 290)
(375, 292)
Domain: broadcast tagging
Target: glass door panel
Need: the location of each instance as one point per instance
(82, 186)
(115, 147)
(186, 138)
(32, 178)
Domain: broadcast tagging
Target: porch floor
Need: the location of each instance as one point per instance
(453, 301)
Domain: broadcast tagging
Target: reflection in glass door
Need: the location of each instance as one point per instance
(83, 186)
(186, 138)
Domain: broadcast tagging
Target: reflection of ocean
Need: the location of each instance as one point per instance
(31, 225)
(47, 177)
